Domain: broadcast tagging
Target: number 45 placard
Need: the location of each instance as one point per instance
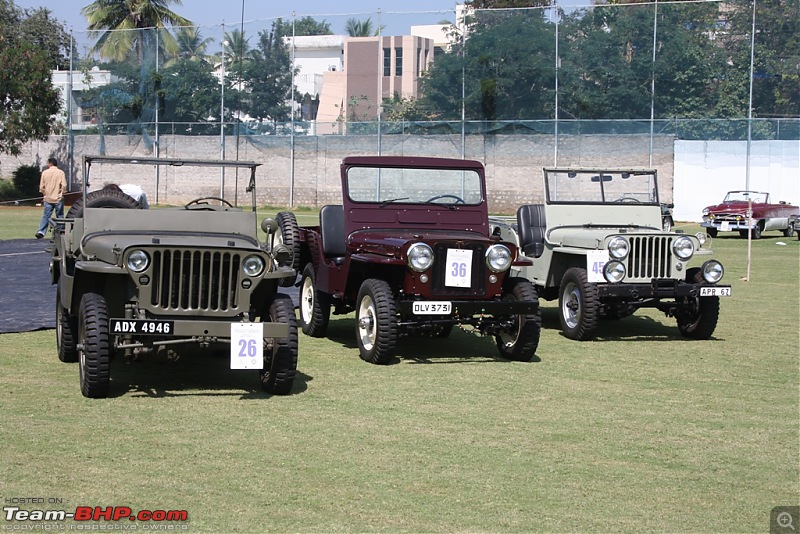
(595, 262)
(247, 346)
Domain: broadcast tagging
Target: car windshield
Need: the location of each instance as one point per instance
(414, 186)
(745, 196)
(601, 187)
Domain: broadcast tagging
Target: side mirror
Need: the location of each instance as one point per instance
(269, 225)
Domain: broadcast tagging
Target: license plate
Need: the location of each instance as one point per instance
(713, 291)
(141, 326)
(442, 307)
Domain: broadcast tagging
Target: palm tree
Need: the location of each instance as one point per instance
(191, 44)
(107, 17)
(361, 28)
(237, 49)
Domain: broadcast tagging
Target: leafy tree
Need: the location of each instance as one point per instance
(507, 71)
(306, 26)
(108, 17)
(504, 4)
(191, 44)
(268, 77)
(27, 97)
(191, 92)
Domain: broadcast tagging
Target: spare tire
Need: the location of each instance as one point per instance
(102, 198)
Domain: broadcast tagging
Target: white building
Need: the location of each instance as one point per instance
(71, 101)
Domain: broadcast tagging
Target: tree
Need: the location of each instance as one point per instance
(268, 77)
(506, 68)
(505, 4)
(120, 24)
(305, 26)
(361, 28)
(191, 93)
(191, 44)
(28, 99)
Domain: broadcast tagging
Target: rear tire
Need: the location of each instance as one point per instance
(520, 345)
(280, 364)
(315, 306)
(578, 305)
(94, 354)
(66, 331)
(289, 235)
(376, 322)
(788, 231)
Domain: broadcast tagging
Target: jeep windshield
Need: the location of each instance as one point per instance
(386, 185)
(573, 186)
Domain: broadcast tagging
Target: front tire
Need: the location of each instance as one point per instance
(94, 352)
(578, 305)
(521, 343)
(280, 363)
(712, 232)
(697, 317)
(315, 306)
(289, 235)
(66, 332)
(376, 322)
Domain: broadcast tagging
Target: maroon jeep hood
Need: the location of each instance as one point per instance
(391, 241)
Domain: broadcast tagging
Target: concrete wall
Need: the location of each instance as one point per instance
(513, 162)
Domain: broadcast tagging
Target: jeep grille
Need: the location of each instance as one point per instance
(478, 281)
(195, 280)
(650, 257)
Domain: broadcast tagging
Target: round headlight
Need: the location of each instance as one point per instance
(712, 271)
(614, 271)
(498, 258)
(253, 265)
(683, 248)
(137, 261)
(420, 257)
(618, 247)
(705, 211)
(701, 236)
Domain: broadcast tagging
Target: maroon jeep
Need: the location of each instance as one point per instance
(410, 252)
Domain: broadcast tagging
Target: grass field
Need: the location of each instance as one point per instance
(639, 430)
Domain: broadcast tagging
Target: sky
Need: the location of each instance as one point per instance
(212, 13)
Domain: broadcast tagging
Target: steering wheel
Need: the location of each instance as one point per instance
(629, 199)
(458, 199)
(202, 204)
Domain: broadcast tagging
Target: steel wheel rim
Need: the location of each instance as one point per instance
(367, 331)
(307, 301)
(571, 307)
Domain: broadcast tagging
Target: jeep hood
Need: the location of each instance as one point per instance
(390, 241)
(593, 237)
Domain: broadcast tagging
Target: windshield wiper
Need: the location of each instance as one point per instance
(389, 201)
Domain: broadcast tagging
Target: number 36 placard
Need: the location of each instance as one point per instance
(458, 271)
(247, 346)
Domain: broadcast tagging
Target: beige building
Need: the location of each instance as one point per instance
(374, 68)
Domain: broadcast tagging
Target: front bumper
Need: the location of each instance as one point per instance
(656, 289)
(182, 328)
(469, 308)
(728, 226)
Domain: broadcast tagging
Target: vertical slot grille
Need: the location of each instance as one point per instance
(650, 257)
(195, 280)
(478, 270)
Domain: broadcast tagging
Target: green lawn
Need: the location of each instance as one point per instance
(639, 430)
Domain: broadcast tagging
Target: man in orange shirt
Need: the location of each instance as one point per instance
(52, 185)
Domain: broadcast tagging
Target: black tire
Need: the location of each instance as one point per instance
(520, 345)
(789, 231)
(66, 331)
(579, 307)
(712, 232)
(757, 231)
(102, 198)
(315, 306)
(667, 224)
(280, 363)
(289, 235)
(697, 317)
(376, 322)
(94, 354)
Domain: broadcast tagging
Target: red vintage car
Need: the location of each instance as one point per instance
(731, 215)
